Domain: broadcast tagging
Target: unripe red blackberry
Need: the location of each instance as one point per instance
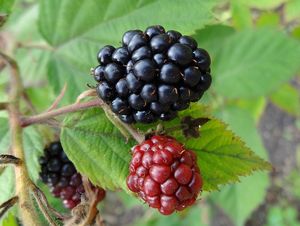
(146, 64)
(59, 173)
(164, 174)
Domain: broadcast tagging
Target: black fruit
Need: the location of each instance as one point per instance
(180, 54)
(153, 75)
(104, 55)
(59, 173)
(145, 70)
(154, 30)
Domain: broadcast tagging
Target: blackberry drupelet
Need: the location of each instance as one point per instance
(151, 69)
(59, 173)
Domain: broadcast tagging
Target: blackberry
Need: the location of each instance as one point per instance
(59, 173)
(164, 174)
(104, 55)
(153, 75)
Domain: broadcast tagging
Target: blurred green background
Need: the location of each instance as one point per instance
(255, 50)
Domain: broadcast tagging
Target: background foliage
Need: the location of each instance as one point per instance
(255, 49)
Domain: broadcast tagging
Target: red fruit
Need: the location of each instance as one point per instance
(69, 203)
(160, 173)
(183, 174)
(67, 192)
(151, 188)
(164, 174)
(169, 186)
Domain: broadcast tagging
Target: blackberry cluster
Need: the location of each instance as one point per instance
(59, 173)
(164, 174)
(153, 75)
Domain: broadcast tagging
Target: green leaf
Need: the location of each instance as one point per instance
(97, 148)
(9, 220)
(222, 156)
(99, 151)
(241, 15)
(249, 62)
(239, 200)
(6, 6)
(291, 10)
(7, 178)
(270, 19)
(33, 147)
(255, 107)
(211, 36)
(78, 29)
(288, 99)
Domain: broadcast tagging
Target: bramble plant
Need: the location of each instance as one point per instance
(136, 124)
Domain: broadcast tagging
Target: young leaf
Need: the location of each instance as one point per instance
(97, 148)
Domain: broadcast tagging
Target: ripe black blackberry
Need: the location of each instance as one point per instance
(153, 75)
(59, 173)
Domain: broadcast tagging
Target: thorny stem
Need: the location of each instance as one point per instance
(41, 196)
(43, 208)
(9, 159)
(7, 205)
(27, 210)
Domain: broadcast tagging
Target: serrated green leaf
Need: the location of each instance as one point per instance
(287, 98)
(97, 148)
(78, 29)
(239, 200)
(222, 156)
(257, 70)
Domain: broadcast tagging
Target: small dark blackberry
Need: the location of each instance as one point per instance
(153, 75)
(59, 173)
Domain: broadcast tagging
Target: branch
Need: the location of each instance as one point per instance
(7, 205)
(59, 98)
(9, 159)
(43, 117)
(27, 210)
(41, 196)
(43, 209)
